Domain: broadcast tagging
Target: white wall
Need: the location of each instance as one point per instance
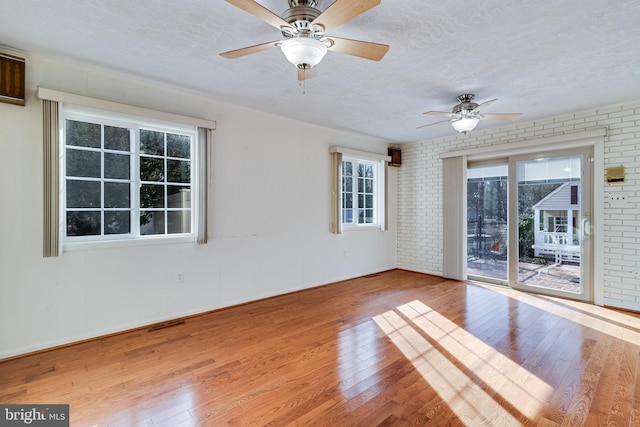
(269, 222)
(420, 193)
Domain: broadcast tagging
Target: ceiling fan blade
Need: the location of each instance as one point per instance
(501, 116)
(342, 11)
(260, 12)
(366, 50)
(485, 104)
(431, 124)
(232, 54)
(440, 113)
(306, 74)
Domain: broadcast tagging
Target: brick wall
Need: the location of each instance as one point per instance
(420, 193)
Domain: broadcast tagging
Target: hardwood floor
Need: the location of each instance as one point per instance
(397, 348)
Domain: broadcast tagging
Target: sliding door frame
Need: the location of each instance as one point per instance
(594, 138)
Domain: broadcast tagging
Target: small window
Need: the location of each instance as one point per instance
(360, 192)
(126, 180)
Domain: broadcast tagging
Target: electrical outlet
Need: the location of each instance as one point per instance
(180, 277)
(636, 274)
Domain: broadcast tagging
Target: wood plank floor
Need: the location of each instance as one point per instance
(394, 349)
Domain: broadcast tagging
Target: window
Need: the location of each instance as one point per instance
(126, 180)
(360, 192)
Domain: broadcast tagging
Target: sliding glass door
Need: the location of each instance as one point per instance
(487, 202)
(529, 222)
(551, 205)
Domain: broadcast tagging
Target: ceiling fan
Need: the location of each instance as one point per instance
(465, 116)
(304, 29)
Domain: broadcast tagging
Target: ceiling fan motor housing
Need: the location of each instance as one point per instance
(294, 3)
(465, 105)
(300, 15)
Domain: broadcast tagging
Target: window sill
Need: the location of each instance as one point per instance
(121, 243)
(346, 227)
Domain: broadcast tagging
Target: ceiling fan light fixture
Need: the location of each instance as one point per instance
(304, 52)
(465, 124)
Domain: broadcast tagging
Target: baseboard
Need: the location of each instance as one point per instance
(178, 320)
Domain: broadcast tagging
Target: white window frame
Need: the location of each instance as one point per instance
(378, 189)
(54, 103)
(134, 123)
(338, 154)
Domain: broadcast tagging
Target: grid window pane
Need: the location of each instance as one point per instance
(83, 163)
(151, 196)
(80, 134)
(83, 194)
(347, 184)
(152, 222)
(368, 216)
(178, 221)
(347, 216)
(116, 138)
(117, 166)
(83, 223)
(347, 168)
(151, 169)
(178, 146)
(368, 171)
(117, 195)
(368, 201)
(117, 222)
(348, 200)
(368, 186)
(178, 171)
(151, 142)
(178, 197)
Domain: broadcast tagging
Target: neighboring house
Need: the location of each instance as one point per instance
(557, 223)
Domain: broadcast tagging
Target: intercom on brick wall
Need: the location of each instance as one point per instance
(615, 175)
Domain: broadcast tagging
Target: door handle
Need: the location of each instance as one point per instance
(586, 225)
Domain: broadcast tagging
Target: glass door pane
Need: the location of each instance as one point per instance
(552, 224)
(487, 222)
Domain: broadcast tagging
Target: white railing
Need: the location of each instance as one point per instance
(559, 245)
(551, 238)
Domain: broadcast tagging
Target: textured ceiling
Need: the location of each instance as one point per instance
(540, 58)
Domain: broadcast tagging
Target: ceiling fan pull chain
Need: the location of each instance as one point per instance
(303, 81)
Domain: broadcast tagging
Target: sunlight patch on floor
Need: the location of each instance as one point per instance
(469, 397)
(525, 390)
(610, 322)
(463, 396)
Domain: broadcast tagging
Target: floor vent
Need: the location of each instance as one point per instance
(166, 324)
(371, 275)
